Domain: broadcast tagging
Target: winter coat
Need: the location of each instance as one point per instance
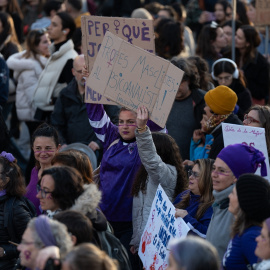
(48, 86)
(219, 229)
(26, 73)
(218, 143)
(158, 173)
(197, 227)
(87, 204)
(20, 219)
(70, 117)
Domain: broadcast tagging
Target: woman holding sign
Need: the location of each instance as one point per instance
(118, 167)
(195, 204)
(161, 164)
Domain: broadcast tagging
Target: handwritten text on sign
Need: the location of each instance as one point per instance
(133, 77)
(161, 227)
(139, 32)
(252, 136)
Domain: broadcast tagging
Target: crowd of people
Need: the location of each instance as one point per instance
(82, 198)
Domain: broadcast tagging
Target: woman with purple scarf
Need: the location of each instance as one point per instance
(42, 232)
(12, 188)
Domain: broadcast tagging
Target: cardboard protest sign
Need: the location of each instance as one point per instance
(161, 227)
(252, 136)
(262, 12)
(133, 77)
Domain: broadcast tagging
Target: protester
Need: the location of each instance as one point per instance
(62, 188)
(225, 72)
(58, 70)
(45, 144)
(193, 253)
(210, 43)
(250, 205)
(12, 187)
(263, 247)
(161, 164)
(252, 63)
(118, 167)
(27, 66)
(195, 204)
(42, 232)
(233, 161)
(220, 11)
(220, 104)
(187, 109)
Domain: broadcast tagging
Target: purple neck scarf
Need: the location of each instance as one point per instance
(2, 193)
(43, 229)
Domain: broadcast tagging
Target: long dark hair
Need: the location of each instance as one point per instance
(205, 187)
(168, 151)
(68, 185)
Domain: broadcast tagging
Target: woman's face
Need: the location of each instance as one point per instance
(222, 176)
(220, 41)
(252, 119)
(127, 125)
(44, 150)
(3, 3)
(263, 244)
(228, 33)
(234, 204)
(240, 40)
(194, 180)
(219, 13)
(251, 13)
(28, 250)
(43, 46)
(225, 78)
(45, 194)
(208, 111)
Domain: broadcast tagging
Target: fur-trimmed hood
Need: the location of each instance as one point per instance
(88, 201)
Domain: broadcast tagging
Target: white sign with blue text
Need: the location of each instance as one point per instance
(161, 227)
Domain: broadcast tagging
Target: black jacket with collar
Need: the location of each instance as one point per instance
(70, 117)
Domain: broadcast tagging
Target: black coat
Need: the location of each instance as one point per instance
(21, 217)
(70, 117)
(257, 75)
(218, 143)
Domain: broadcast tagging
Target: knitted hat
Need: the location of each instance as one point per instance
(221, 100)
(253, 194)
(241, 159)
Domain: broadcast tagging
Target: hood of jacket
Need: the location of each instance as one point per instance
(88, 201)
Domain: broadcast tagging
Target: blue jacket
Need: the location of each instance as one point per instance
(200, 152)
(197, 227)
(240, 250)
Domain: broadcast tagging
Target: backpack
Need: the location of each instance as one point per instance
(114, 248)
(8, 215)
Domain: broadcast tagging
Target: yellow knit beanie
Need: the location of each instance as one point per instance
(221, 100)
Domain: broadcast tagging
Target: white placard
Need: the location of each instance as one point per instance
(252, 136)
(161, 227)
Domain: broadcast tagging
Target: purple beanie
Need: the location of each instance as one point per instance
(241, 159)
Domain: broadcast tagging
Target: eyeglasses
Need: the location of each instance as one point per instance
(249, 119)
(193, 174)
(43, 192)
(225, 79)
(221, 172)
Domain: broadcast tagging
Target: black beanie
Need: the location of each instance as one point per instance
(253, 194)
